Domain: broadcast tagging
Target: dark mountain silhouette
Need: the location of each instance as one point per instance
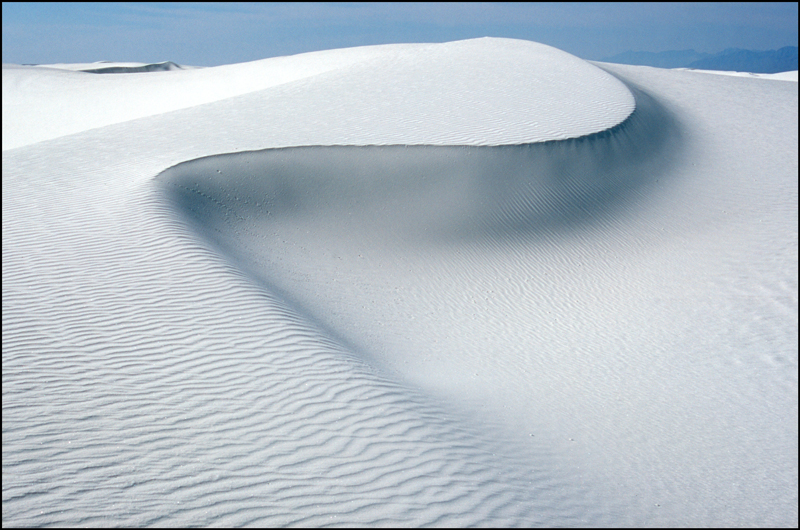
(757, 62)
(768, 62)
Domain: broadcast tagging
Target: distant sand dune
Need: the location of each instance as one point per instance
(155, 67)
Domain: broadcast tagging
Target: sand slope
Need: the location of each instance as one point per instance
(549, 309)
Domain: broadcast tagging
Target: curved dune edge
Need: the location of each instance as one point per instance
(559, 180)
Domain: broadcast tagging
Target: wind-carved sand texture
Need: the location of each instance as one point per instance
(474, 283)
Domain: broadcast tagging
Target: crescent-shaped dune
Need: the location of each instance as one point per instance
(476, 283)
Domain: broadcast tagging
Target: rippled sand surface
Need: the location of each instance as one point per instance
(476, 283)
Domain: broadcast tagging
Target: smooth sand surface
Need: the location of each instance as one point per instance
(476, 283)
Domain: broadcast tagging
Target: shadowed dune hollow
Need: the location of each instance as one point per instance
(394, 197)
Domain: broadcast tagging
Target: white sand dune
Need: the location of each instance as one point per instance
(474, 283)
(781, 76)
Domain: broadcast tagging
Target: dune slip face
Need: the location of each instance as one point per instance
(478, 283)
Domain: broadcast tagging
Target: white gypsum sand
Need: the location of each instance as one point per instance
(474, 283)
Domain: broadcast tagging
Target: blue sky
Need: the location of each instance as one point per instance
(208, 34)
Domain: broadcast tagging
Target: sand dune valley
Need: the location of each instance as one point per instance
(478, 283)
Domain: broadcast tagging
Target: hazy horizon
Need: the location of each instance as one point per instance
(209, 34)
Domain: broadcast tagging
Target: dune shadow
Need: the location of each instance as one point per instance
(430, 194)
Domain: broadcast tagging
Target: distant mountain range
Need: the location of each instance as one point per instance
(757, 62)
